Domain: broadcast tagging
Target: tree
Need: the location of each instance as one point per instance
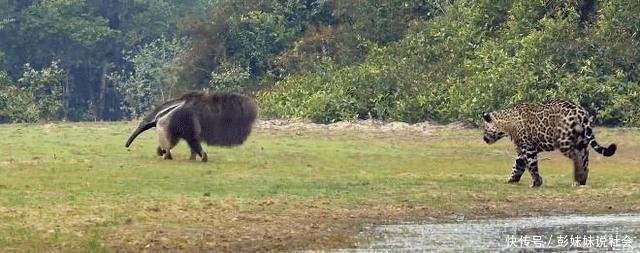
(88, 38)
(154, 77)
(480, 56)
(37, 96)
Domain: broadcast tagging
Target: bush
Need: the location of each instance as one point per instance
(482, 56)
(38, 95)
(45, 88)
(257, 37)
(230, 78)
(316, 97)
(154, 78)
(17, 106)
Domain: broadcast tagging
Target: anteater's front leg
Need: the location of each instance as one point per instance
(167, 141)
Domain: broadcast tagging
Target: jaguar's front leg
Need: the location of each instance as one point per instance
(518, 169)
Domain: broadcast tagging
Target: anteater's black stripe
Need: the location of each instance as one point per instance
(167, 111)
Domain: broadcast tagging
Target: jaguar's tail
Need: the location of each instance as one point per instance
(605, 151)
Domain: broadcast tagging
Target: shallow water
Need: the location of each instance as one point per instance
(604, 233)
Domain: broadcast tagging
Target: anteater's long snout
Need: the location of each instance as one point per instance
(141, 128)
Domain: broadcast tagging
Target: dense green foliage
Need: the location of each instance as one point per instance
(153, 77)
(483, 56)
(330, 60)
(88, 39)
(38, 95)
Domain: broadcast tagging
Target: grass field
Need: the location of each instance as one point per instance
(75, 188)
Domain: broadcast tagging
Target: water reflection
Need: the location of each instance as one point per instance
(605, 233)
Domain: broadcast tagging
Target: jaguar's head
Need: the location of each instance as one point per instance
(492, 131)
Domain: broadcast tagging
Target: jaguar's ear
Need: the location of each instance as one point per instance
(487, 117)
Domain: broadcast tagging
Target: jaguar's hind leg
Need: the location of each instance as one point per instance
(532, 164)
(580, 166)
(578, 152)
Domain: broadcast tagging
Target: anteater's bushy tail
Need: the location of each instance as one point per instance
(226, 118)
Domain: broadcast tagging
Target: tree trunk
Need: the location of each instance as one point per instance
(99, 113)
(66, 96)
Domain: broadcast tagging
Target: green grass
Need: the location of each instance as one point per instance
(74, 187)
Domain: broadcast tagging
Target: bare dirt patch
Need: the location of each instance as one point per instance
(374, 126)
(218, 226)
(224, 227)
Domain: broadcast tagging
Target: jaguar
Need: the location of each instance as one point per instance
(539, 127)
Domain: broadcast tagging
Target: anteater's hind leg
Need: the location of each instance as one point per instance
(194, 141)
(202, 154)
(196, 148)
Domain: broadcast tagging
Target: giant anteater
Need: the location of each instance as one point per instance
(217, 118)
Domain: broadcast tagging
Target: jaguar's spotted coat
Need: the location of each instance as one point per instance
(535, 128)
